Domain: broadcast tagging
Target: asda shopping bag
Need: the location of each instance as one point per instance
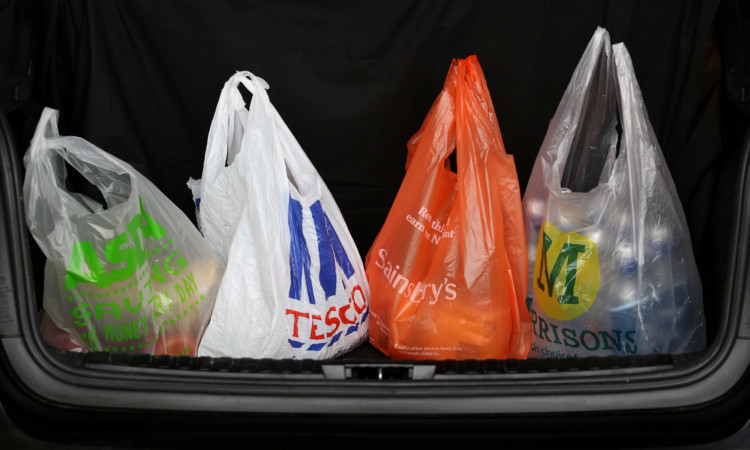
(133, 275)
(612, 270)
(448, 268)
(295, 286)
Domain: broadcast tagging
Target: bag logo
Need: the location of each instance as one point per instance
(118, 289)
(566, 273)
(322, 330)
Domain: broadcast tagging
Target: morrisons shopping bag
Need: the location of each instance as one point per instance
(132, 276)
(295, 286)
(611, 266)
(448, 268)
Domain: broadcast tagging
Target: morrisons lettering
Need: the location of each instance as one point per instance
(584, 340)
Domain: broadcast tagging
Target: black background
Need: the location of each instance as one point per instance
(354, 80)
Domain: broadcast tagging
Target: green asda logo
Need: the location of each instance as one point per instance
(127, 251)
(566, 273)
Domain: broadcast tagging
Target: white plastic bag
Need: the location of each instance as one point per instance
(295, 286)
(611, 265)
(195, 188)
(135, 276)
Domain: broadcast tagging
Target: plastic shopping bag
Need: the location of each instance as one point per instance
(448, 268)
(195, 188)
(295, 286)
(134, 276)
(611, 266)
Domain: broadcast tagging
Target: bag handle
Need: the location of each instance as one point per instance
(223, 123)
(465, 78)
(77, 152)
(568, 115)
(41, 185)
(447, 109)
(642, 156)
(633, 112)
(473, 83)
(440, 121)
(46, 128)
(49, 205)
(74, 150)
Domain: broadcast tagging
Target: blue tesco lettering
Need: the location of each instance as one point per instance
(315, 330)
(330, 250)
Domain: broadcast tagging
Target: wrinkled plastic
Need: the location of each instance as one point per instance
(611, 268)
(57, 337)
(195, 189)
(134, 276)
(448, 268)
(295, 285)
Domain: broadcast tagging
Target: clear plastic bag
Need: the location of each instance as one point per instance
(611, 266)
(295, 286)
(133, 275)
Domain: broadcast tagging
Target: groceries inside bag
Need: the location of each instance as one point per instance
(295, 285)
(131, 275)
(448, 268)
(611, 268)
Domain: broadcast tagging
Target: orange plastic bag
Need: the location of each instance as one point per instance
(448, 271)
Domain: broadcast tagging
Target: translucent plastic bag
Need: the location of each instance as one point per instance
(448, 268)
(295, 286)
(611, 266)
(134, 276)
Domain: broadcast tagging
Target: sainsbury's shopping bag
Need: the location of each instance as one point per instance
(448, 268)
(295, 286)
(132, 276)
(611, 267)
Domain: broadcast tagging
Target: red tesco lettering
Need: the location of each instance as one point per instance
(333, 318)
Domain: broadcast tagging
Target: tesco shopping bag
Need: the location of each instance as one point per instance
(295, 286)
(612, 270)
(448, 268)
(133, 275)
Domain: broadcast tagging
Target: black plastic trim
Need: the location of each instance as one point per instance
(45, 380)
(9, 228)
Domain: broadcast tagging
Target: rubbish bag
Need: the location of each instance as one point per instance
(132, 276)
(295, 285)
(611, 268)
(448, 268)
